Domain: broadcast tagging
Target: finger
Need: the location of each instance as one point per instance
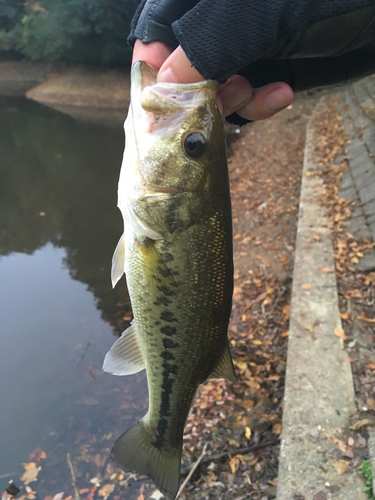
(267, 101)
(178, 69)
(234, 94)
(154, 53)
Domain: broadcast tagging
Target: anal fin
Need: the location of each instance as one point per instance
(224, 367)
(125, 356)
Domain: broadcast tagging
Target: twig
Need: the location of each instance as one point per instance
(281, 293)
(192, 471)
(77, 496)
(238, 451)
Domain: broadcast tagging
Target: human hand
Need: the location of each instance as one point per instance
(235, 95)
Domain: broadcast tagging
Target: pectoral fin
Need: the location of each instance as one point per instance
(224, 367)
(118, 261)
(125, 356)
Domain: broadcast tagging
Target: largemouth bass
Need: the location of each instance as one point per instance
(176, 252)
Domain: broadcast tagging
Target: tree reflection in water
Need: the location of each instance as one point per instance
(58, 181)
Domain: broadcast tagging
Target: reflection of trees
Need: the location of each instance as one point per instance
(53, 165)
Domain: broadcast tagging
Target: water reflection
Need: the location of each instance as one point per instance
(58, 181)
(58, 221)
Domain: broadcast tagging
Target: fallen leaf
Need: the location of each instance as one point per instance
(31, 473)
(141, 495)
(247, 432)
(284, 334)
(306, 286)
(362, 423)
(362, 317)
(106, 490)
(276, 429)
(234, 464)
(341, 466)
(59, 496)
(370, 403)
(340, 333)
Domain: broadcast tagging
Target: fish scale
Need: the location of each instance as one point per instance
(177, 255)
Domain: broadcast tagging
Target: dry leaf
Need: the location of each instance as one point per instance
(234, 464)
(340, 466)
(344, 315)
(31, 473)
(247, 432)
(60, 496)
(106, 490)
(276, 429)
(141, 495)
(362, 317)
(362, 423)
(284, 334)
(156, 495)
(306, 286)
(370, 403)
(340, 333)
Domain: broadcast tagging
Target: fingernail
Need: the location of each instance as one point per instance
(166, 76)
(278, 99)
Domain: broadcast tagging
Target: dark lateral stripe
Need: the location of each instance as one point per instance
(167, 316)
(169, 344)
(168, 330)
(168, 257)
(167, 291)
(169, 369)
(167, 355)
(162, 301)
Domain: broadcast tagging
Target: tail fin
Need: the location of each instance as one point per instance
(133, 451)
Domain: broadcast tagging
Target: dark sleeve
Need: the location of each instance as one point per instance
(223, 36)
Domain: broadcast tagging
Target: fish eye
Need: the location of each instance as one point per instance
(194, 144)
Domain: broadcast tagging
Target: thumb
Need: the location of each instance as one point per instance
(178, 69)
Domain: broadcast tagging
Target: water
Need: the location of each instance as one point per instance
(59, 226)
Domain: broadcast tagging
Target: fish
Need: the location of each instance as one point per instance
(177, 254)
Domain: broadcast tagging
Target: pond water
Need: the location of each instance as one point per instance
(59, 226)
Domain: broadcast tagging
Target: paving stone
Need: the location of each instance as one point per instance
(349, 194)
(361, 165)
(372, 229)
(367, 263)
(367, 194)
(355, 149)
(358, 228)
(369, 137)
(369, 208)
(367, 179)
(357, 212)
(346, 181)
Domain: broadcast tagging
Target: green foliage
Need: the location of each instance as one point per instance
(83, 31)
(365, 469)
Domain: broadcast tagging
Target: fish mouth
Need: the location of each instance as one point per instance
(165, 98)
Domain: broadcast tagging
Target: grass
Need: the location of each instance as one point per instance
(365, 469)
